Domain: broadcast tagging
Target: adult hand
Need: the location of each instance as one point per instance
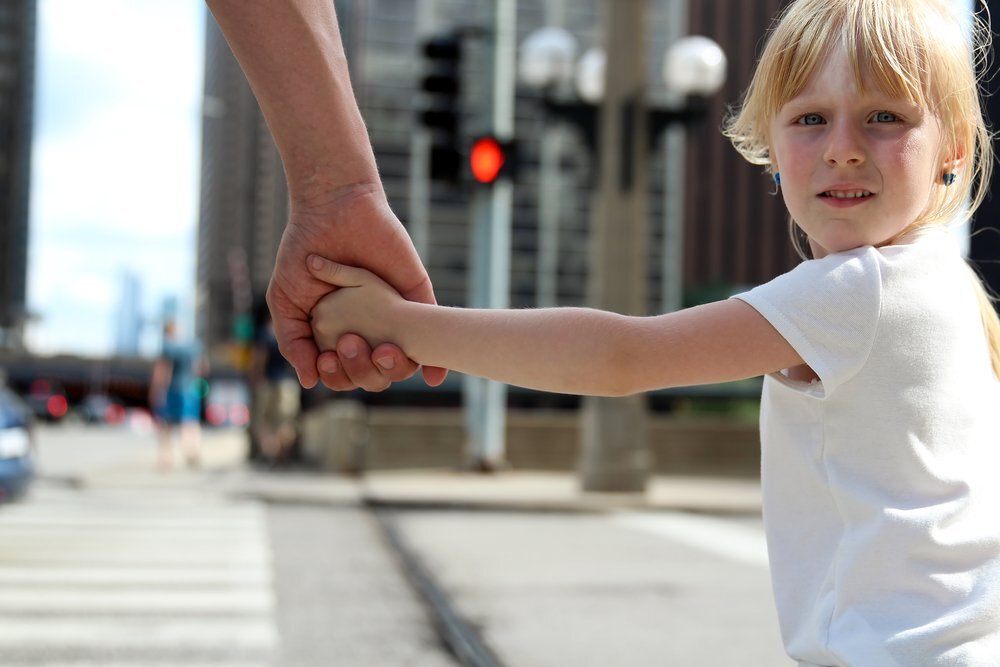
(353, 225)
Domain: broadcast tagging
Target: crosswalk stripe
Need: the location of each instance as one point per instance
(227, 576)
(160, 601)
(94, 556)
(159, 663)
(242, 634)
(142, 578)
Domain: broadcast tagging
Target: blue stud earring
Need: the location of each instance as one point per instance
(777, 178)
(949, 178)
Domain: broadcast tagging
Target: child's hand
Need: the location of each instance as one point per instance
(363, 304)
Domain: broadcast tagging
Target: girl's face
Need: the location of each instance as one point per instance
(855, 169)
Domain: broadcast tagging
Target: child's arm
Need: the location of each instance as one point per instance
(570, 350)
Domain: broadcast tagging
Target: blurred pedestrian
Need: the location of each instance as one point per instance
(277, 396)
(881, 351)
(175, 398)
(293, 57)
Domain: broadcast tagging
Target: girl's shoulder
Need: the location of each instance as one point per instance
(858, 268)
(922, 253)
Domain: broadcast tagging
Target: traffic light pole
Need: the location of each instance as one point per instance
(419, 194)
(492, 207)
(614, 448)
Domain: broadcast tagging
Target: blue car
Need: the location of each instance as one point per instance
(16, 446)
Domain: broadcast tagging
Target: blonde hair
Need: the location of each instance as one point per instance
(927, 52)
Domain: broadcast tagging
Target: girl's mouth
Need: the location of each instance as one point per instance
(847, 194)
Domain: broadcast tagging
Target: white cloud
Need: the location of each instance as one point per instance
(129, 170)
(115, 164)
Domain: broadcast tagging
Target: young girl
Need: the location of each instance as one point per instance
(880, 419)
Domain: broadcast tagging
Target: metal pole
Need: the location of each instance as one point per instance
(614, 448)
(549, 206)
(672, 280)
(674, 144)
(486, 400)
(419, 219)
(549, 191)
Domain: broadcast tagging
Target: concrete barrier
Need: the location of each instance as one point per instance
(335, 435)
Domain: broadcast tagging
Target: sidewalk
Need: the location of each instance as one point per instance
(130, 458)
(223, 456)
(507, 491)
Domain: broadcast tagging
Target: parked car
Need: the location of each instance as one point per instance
(17, 467)
(47, 400)
(102, 409)
(227, 403)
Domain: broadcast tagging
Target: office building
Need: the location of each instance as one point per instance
(730, 240)
(128, 318)
(17, 83)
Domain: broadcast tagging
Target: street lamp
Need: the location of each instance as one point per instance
(693, 65)
(546, 56)
(604, 96)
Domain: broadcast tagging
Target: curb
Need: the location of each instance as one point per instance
(720, 500)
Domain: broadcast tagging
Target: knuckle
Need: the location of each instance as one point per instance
(378, 387)
(337, 382)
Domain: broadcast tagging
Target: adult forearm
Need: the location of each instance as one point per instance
(293, 57)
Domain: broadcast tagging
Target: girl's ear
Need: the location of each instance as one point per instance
(772, 158)
(954, 162)
(949, 170)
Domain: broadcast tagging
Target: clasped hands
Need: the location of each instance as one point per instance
(362, 304)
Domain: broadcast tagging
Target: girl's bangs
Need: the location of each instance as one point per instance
(883, 44)
(886, 51)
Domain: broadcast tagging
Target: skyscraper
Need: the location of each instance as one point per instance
(17, 83)
(244, 201)
(129, 320)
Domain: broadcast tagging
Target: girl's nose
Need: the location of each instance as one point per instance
(844, 147)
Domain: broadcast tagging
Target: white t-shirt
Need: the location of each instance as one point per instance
(881, 480)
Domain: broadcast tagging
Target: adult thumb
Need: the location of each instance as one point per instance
(333, 273)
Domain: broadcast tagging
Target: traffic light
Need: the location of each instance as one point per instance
(490, 158)
(441, 112)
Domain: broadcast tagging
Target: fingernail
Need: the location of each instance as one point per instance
(386, 362)
(316, 262)
(328, 366)
(349, 349)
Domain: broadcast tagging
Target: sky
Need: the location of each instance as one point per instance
(115, 172)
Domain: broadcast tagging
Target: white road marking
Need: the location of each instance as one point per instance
(158, 574)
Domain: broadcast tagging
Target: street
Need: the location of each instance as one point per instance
(111, 563)
(108, 562)
(628, 589)
(104, 575)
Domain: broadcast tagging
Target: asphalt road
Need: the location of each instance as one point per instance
(110, 563)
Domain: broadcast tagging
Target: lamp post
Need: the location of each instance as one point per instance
(614, 448)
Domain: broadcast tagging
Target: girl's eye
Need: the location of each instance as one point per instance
(885, 117)
(810, 119)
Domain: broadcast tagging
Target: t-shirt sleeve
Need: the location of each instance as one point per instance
(828, 310)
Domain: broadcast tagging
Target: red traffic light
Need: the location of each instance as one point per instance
(487, 159)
